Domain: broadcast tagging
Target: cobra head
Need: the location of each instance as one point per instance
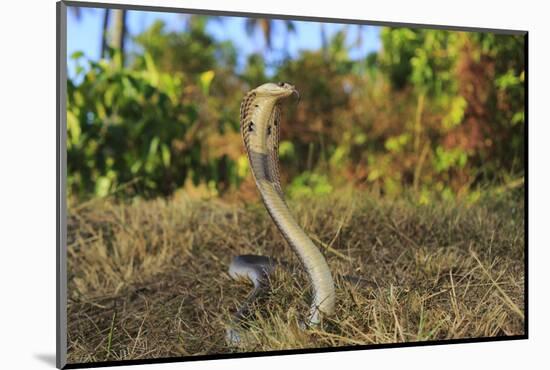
(277, 90)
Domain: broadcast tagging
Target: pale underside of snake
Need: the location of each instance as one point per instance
(260, 128)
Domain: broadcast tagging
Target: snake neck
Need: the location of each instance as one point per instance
(260, 125)
(310, 256)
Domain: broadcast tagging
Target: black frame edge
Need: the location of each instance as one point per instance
(526, 189)
(61, 169)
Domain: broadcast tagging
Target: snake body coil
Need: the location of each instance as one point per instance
(260, 127)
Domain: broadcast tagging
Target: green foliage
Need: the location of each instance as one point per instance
(127, 125)
(397, 143)
(121, 126)
(254, 73)
(446, 159)
(421, 58)
(456, 112)
(436, 111)
(309, 184)
(193, 51)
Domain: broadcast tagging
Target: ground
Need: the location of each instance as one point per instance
(148, 279)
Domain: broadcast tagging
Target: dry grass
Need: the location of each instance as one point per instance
(149, 279)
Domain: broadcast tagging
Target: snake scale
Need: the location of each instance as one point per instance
(260, 128)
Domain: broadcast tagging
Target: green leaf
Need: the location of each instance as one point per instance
(360, 139)
(518, 117)
(205, 80)
(286, 149)
(242, 166)
(339, 155)
(73, 128)
(153, 146)
(165, 153)
(397, 143)
(152, 72)
(308, 184)
(77, 55)
(456, 113)
(103, 186)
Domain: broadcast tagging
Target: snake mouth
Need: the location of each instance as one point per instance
(289, 90)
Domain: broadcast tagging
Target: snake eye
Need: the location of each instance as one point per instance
(281, 84)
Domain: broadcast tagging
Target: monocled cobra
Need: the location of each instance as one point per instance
(260, 127)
